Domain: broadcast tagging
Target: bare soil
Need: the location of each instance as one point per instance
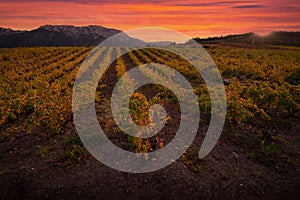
(226, 173)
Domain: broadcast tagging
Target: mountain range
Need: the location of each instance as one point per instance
(274, 38)
(62, 35)
(92, 35)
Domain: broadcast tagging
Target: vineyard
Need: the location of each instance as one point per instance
(262, 119)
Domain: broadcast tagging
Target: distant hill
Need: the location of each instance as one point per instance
(61, 35)
(68, 35)
(160, 43)
(8, 31)
(274, 38)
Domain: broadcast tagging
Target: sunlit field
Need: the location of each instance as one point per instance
(260, 136)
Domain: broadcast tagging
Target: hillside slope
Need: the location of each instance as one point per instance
(62, 35)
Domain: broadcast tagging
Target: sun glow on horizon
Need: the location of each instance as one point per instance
(196, 19)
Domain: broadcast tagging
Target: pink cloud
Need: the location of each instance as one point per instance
(193, 18)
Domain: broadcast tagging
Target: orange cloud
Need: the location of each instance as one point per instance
(193, 18)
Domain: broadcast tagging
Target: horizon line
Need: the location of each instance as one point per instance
(198, 36)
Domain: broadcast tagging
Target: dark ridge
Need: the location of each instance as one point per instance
(60, 35)
(274, 38)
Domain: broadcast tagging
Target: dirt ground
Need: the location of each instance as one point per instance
(228, 172)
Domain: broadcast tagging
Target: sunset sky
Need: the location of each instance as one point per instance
(194, 18)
